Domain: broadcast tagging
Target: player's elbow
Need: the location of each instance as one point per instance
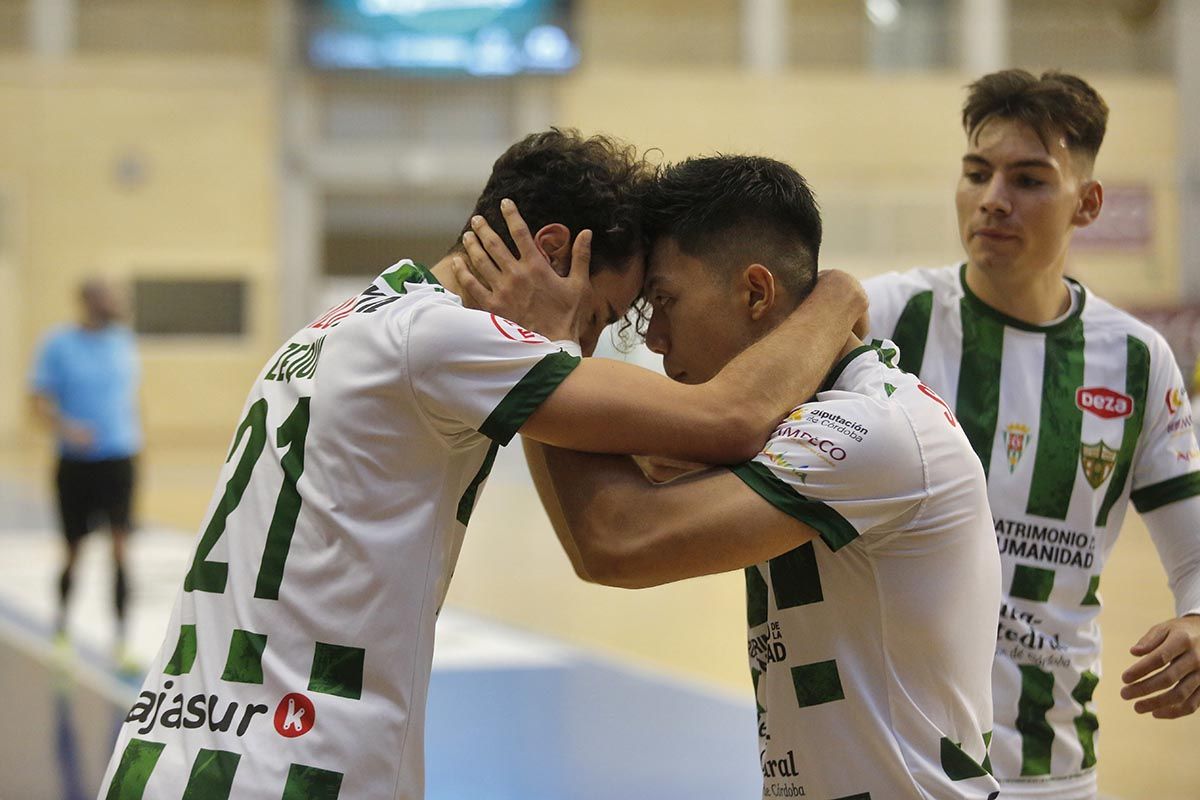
(613, 550)
(733, 437)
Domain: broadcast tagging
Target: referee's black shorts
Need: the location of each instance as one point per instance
(94, 492)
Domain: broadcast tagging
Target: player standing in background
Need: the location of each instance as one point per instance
(85, 388)
(297, 659)
(871, 649)
(1074, 407)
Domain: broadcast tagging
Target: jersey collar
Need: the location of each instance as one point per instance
(978, 306)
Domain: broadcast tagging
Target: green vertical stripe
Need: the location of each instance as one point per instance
(978, 400)
(1091, 598)
(1086, 723)
(212, 775)
(912, 331)
(1037, 698)
(466, 504)
(244, 664)
(1032, 583)
(756, 598)
(1137, 382)
(817, 683)
(185, 652)
(795, 580)
(137, 762)
(311, 783)
(337, 670)
(1057, 461)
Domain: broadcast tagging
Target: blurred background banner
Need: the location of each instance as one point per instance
(240, 166)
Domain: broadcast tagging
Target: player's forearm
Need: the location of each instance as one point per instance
(1175, 530)
(786, 367)
(605, 515)
(535, 457)
(46, 410)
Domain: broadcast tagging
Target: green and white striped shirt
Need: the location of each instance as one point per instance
(1071, 421)
(297, 659)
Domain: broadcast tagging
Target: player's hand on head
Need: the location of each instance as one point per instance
(525, 287)
(846, 286)
(1165, 680)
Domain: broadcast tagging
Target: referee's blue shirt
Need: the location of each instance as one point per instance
(92, 376)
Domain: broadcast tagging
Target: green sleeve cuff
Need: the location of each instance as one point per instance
(832, 527)
(524, 398)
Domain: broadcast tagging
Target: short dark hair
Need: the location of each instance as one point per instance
(1056, 101)
(734, 210)
(558, 175)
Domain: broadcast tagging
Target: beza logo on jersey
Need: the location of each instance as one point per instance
(1103, 402)
(512, 330)
(1175, 399)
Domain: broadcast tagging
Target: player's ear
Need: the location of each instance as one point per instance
(1091, 199)
(759, 287)
(554, 241)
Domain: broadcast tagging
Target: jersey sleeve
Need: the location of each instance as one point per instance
(1166, 466)
(470, 370)
(44, 373)
(841, 470)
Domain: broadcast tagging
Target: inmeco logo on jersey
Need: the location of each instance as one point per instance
(1103, 402)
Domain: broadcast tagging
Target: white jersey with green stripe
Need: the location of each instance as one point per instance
(871, 649)
(1071, 421)
(298, 656)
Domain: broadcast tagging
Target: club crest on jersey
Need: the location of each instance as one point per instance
(1016, 437)
(1103, 402)
(1175, 399)
(511, 330)
(1098, 461)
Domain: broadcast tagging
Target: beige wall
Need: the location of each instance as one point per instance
(882, 153)
(204, 132)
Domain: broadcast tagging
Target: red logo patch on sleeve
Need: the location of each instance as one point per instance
(512, 330)
(1103, 402)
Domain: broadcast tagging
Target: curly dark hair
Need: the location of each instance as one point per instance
(1056, 101)
(560, 176)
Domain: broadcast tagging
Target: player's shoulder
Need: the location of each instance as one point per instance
(60, 337)
(898, 284)
(1102, 319)
(864, 400)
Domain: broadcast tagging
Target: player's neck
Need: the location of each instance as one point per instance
(1035, 298)
(444, 272)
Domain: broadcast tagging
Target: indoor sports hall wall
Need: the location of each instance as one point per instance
(139, 168)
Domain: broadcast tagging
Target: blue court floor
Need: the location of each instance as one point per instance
(511, 714)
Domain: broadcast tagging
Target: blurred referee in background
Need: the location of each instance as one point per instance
(84, 385)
